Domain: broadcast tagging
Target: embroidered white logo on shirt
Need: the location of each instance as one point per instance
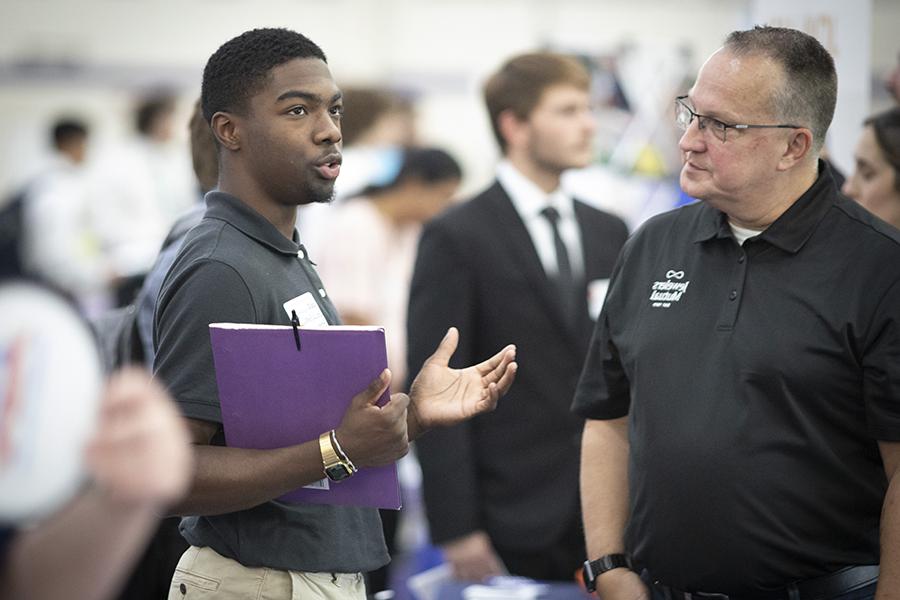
(664, 293)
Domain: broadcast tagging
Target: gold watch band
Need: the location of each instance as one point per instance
(332, 454)
(329, 456)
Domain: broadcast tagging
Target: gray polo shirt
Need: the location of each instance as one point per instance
(235, 266)
(757, 380)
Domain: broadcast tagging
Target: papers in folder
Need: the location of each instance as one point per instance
(273, 395)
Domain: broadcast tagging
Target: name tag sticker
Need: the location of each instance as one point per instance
(308, 312)
(321, 484)
(596, 290)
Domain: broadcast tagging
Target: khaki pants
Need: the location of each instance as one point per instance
(202, 573)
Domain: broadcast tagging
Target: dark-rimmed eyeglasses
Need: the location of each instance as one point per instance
(685, 115)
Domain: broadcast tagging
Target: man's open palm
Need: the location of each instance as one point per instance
(443, 396)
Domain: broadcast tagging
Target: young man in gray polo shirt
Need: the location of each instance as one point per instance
(275, 112)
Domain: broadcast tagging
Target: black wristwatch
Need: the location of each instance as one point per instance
(593, 569)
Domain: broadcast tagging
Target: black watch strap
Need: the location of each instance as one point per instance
(592, 569)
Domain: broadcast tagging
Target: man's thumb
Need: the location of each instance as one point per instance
(446, 348)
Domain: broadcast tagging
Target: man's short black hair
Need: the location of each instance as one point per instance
(241, 65)
(68, 130)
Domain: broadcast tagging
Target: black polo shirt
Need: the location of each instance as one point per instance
(757, 380)
(235, 266)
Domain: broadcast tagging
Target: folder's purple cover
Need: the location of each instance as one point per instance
(273, 395)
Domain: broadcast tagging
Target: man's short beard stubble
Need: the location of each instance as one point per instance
(323, 199)
(317, 195)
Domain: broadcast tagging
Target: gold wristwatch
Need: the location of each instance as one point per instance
(335, 463)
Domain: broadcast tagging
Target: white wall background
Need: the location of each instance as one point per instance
(91, 57)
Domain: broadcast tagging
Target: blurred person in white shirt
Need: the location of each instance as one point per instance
(140, 189)
(58, 242)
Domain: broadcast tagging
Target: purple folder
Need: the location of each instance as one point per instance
(273, 395)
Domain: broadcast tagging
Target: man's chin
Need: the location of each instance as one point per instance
(320, 194)
(581, 161)
(325, 199)
(690, 185)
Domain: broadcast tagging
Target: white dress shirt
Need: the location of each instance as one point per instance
(529, 200)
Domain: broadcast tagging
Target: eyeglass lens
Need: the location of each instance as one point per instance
(684, 116)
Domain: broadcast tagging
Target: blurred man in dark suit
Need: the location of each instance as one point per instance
(516, 263)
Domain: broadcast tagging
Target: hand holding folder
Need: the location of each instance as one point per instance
(280, 386)
(374, 435)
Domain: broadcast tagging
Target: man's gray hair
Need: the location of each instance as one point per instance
(808, 90)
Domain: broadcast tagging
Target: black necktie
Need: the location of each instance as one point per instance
(565, 280)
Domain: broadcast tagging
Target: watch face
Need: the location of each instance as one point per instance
(338, 472)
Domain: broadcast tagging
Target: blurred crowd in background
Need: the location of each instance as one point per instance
(91, 218)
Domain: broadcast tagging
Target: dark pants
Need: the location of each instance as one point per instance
(380, 579)
(558, 560)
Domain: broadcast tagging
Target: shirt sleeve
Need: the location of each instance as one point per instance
(206, 292)
(881, 369)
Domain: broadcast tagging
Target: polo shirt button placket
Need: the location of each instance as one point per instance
(728, 316)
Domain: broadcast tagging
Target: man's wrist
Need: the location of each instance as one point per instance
(339, 450)
(414, 426)
(594, 569)
(617, 581)
(335, 463)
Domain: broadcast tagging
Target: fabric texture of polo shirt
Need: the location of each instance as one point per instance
(235, 266)
(756, 380)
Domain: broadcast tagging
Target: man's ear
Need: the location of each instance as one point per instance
(513, 129)
(226, 130)
(797, 150)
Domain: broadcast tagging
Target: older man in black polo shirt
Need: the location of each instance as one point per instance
(743, 386)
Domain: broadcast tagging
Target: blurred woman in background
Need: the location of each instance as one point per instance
(367, 253)
(875, 182)
(369, 246)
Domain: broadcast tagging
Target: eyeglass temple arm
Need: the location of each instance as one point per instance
(765, 126)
